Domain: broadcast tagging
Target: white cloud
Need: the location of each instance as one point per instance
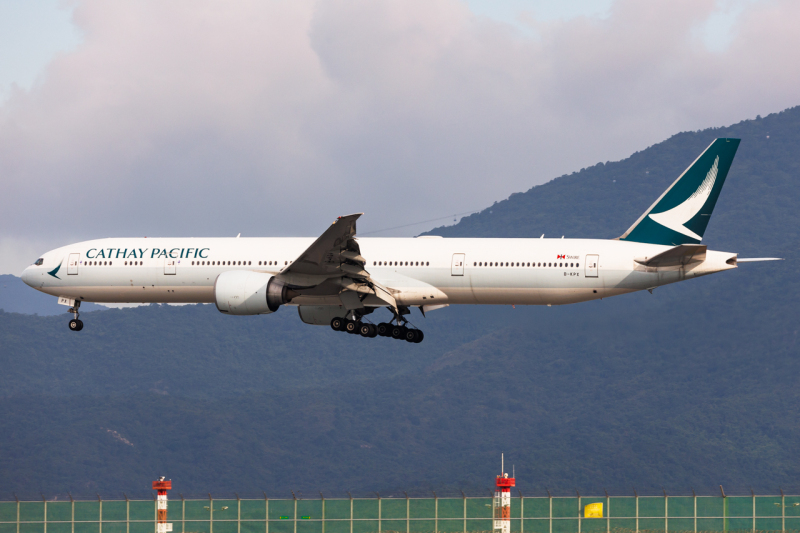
(272, 118)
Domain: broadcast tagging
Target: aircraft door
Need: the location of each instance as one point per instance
(457, 268)
(72, 264)
(169, 266)
(592, 265)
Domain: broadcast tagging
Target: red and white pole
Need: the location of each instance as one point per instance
(161, 521)
(502, 501)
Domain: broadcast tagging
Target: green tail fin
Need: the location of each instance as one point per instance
(681, 214)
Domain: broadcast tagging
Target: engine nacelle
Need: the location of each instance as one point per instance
(241, 292)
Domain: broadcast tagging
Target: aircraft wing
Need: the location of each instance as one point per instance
(336, 255)
(324, 257)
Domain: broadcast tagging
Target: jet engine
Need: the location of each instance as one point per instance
(241, 292)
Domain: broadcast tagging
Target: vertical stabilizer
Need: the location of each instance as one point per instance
(681, 214)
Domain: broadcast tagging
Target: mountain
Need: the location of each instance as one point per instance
(690, 387)
(756, 213)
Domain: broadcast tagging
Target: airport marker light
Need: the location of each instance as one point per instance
(162, 487)
(502, 502)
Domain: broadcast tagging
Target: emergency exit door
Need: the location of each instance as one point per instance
(72, 264)
(458, 265)
(592, 265)
(169, 266)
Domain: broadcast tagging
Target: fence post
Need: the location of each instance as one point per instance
(608, 512)
(44, 522)
(294, 521)
(521, 512)
(408, 513)
(754, 509)
(550, 499)
(695, 510)
(238, 513)
(211, 513)
(636, 495)
(666, 511)
(379, 511)
(783, 511)
(579, 510)
(323, 511)
(464, 496)
(183, 514)
(724, 510)
(15, 497)
(351, 511)
(435, 512)
(128, 514)
(99, 515)
(266, 512)
(72, 518)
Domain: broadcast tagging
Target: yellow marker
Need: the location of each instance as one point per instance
(593, 510)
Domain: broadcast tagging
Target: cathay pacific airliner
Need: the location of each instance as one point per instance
(339, 279)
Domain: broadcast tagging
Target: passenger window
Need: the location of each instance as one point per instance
(577, 265)
(428, 263)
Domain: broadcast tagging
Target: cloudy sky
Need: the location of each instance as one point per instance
(196, 118)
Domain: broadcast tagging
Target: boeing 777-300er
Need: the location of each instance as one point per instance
(339, 279)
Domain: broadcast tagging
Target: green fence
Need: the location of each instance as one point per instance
(408, 515)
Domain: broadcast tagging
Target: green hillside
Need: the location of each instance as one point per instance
(690, 387)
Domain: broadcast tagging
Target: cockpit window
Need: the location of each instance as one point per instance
(39, 262)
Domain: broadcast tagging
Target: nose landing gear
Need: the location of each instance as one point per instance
(76, 324)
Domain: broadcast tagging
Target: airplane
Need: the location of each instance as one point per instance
(339, 279)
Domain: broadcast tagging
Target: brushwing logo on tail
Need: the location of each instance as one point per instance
(679, 215)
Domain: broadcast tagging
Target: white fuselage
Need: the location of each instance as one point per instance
(423, 271)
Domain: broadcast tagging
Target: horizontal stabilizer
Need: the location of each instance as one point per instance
(682, 254)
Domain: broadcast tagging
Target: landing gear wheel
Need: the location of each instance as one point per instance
(399, 332)
(351, 326)
(337, 324)
(384, 329)
(420, 336)
(75, 324)
(368, 330)
(411, 335)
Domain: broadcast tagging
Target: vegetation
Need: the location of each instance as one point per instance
(690, 387)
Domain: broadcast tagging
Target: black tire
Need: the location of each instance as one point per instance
(399, 332)
(74, 325)
(337, 324)
(365, 330)
(373, 331)
(384, 329)
(352, 327)
(420, 336)
(411, 335)
(80, 325)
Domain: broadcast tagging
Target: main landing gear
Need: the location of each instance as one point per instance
(76, 324)
(384, 329)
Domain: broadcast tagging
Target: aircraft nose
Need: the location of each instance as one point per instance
(25, 274)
